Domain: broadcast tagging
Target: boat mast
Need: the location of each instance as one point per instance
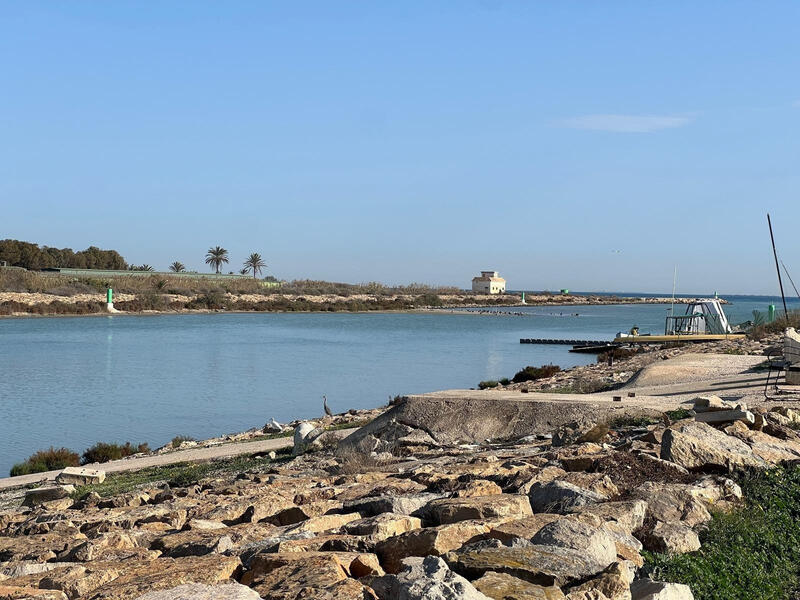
(777, 267)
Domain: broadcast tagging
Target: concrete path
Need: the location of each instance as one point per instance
(170, 458)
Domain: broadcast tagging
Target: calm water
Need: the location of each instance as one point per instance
(74, 381)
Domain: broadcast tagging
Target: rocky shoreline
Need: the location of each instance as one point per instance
(407, 513)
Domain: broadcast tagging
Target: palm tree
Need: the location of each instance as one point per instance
(254, 263)
(216, 257)
(177, 267)
(144, 267)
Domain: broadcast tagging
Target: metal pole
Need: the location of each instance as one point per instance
(785, 270)
(777, 267)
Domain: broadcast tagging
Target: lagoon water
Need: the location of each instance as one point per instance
(74, 381)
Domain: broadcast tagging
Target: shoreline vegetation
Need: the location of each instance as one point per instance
(32, 293)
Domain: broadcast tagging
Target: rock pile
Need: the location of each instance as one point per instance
(409, 519)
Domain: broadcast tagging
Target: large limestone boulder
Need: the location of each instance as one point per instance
(80, 476)
(519, 532)
(199, 591)
(426, 578)
(166, 573)
(543, 565)
(321, 575)
(672, 538)
(628, 514)
(433, 541)
(560, 497)
(504, 506)
(647, 589)
(194, 543)
(596, 544)
(697, 446)
(382, 526)
(42, 495)
(614, 583)
(766, 447)
(500, 586)
(401, 505)
(27, 593)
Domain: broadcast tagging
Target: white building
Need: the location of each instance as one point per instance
(489, 283)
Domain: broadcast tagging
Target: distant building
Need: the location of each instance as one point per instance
(489, 283)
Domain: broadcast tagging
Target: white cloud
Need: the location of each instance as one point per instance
(625, 123)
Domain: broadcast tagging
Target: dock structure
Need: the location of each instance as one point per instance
(563, 342)
(585, 346)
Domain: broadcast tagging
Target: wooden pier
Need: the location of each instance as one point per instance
(585, 346)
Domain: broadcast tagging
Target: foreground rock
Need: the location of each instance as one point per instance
(426, 578)
(199, 591)
(647, 589)
(697, 446)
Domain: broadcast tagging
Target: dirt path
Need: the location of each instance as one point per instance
(179, 456)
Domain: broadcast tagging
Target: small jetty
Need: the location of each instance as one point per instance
(585, 346)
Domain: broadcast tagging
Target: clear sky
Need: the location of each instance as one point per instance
(589, 145)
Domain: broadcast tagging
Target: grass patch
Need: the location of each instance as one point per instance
(178, 474)
(678, 414)
(750, 554)
(631, 421)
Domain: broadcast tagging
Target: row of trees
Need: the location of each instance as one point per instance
(218, 256)
(32, 256)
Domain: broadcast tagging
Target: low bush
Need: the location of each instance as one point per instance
(678, 414)
(617, 354)
(102, 452)
(211, 300)
(179, 439)
(485, 385)
(46, 460)
(533, 373)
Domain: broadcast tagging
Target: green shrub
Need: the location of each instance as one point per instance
(212, 300)
(190, 475)
(485, 385)
(678, 414)
(617, 354)
(102, 452)
(750, 554)
(179, 439)
(505, 381)
(533, 373)
(46, 460)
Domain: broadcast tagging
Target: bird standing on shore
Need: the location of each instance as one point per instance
(325, 406)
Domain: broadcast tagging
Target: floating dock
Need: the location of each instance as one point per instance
(584, 346)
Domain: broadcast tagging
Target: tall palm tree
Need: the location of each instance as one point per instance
(216, 257)
(254, 263)
(177, 267)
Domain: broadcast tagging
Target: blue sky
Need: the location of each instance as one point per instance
(589, 145)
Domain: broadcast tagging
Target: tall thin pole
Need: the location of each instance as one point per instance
(785, 270)
(777, 266)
